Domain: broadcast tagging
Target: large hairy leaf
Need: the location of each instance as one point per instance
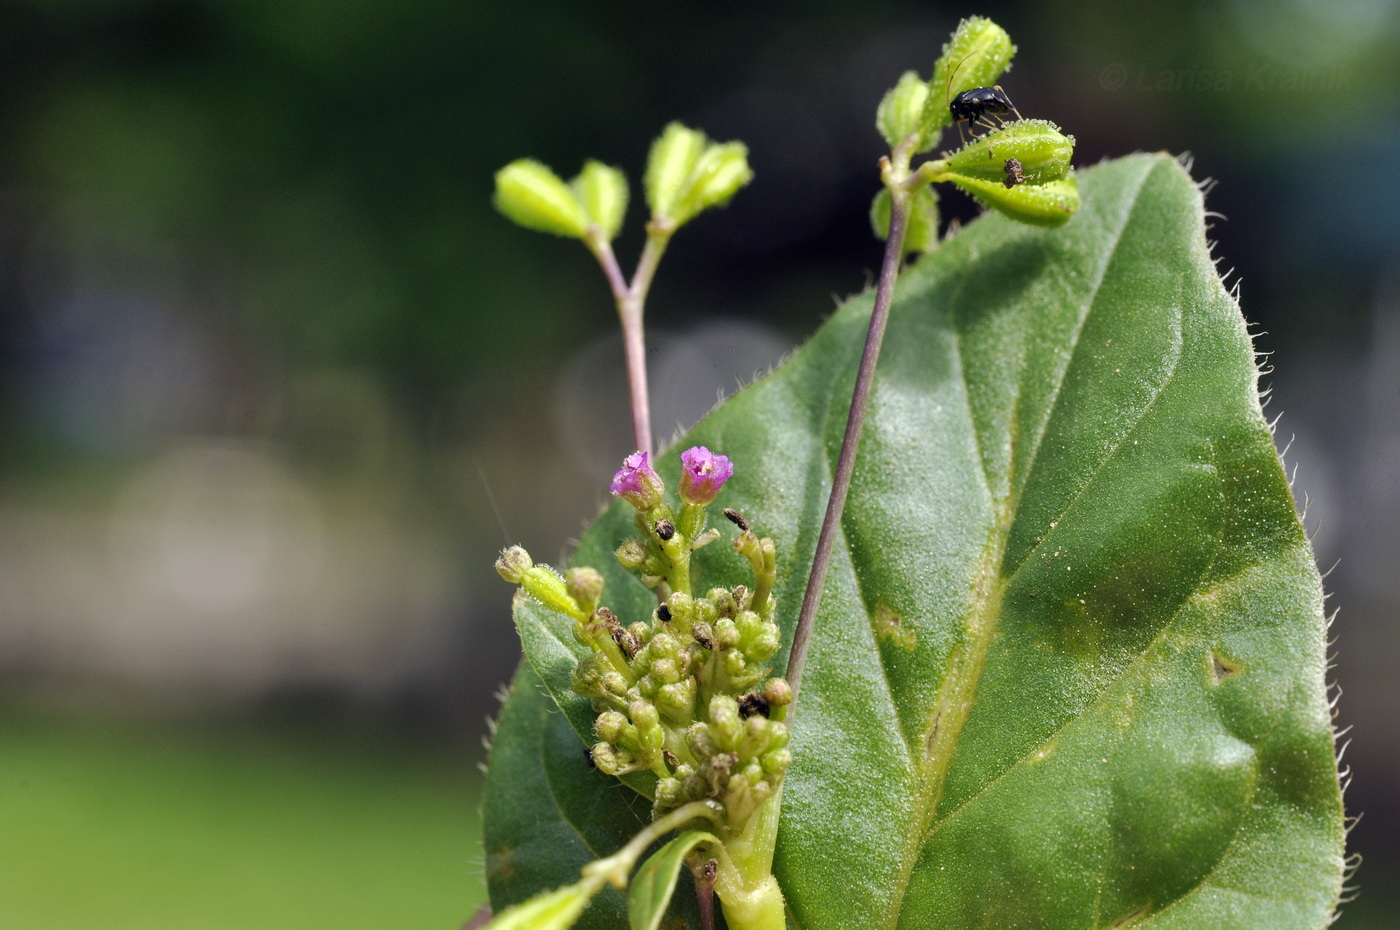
(1068, 670)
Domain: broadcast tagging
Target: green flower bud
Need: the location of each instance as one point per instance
(584, 585)
(603, 192)
(606, 759)
(977, 55)
(1041, 151)
(641, 633)
(614, 682)
(920, 230)
(701, 741)
(901, 110)
(765, 645)
(676, 701)
(726, 726)
(544, 585)
(682, 609)
(668, 792)
(609, 726)
(673, 157)
(706, 610)
(513, 563)
(531, 195)
(777, 762)
(777, 692)
(736, 666)
(1049, 204)
(722, 169)
(665, 671)
(726, 633)
(664, 646)
(643, 715)
(632, 554)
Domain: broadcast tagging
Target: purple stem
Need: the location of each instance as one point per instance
(846, 462)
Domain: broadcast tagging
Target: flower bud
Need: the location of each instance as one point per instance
(726, 633)
(584, 585)
(603, 192)
(632, 554)
(664, 646)
(901, 110)
(609, 726)
(544, 585)
(643, 715)
(513, 563)
(606, 758)
(777, 762)
(777, 692)
(1042, 153)
(977, 55)
(668, 792)
(673, 156)
(677, 700)
(665, 671)
(765, 645)
(721, 170)
(701, 741)
(1048, 204)
(531, 195)
(921, 227)
(726, 726)
(638, 483)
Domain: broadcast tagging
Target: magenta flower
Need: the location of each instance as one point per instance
(637, 483)
(702, 475)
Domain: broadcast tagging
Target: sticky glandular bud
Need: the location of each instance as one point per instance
(901, 109)
(533, 196)
(602, 190)
(513, 563)
(1041, 151)
(977, 55)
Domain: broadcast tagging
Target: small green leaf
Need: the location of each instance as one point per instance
(530, 194)
(718, 174)
(655, 881)
(602, 190)
(921, 234)
(551, 910)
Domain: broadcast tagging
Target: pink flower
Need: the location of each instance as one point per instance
(702, 475)
(637, 483)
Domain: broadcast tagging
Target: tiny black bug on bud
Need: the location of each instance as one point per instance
(753, 703)
(665, 529)
(972, 106)
(736, 518)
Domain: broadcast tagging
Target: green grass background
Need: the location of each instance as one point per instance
(118, 826)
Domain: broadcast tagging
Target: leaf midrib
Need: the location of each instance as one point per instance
(956, 694)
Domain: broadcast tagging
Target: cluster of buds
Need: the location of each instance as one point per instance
(685, 695)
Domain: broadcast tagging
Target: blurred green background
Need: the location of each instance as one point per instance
(276, 382)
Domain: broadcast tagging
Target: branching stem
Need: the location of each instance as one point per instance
(631, 300)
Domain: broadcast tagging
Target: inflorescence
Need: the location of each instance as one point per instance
(685, 695)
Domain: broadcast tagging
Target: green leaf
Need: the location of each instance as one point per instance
(550, 910)
(655, 881)
(1068, 668)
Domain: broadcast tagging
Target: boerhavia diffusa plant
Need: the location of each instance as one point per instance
(1069, 666)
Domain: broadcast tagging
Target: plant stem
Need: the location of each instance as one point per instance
(900, 199)
(631, 300)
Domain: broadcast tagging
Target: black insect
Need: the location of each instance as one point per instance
(973, 106)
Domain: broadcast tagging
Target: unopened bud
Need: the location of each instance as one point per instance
(513, 563)
(673, 156)
(901, 109)
(530, 194)
(643, 715)
(1041, 151)
(1048, 204)
(609, 726)
(603, 192)
(777, 692)
(719, 173)
(584, 585)
(632, 554)
(977, 55)
(544, 585)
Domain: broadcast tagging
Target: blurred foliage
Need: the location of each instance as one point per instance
(124, 825)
